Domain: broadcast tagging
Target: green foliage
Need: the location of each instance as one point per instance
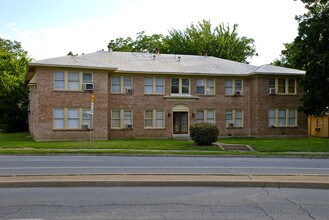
(204, 133)
(13, 91)
(222, 41)
(310, 52)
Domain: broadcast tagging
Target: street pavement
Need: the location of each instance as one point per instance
(83, 171)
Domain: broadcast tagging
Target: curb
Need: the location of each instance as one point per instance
(127, 180)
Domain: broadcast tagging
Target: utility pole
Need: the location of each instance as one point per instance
(91, 118)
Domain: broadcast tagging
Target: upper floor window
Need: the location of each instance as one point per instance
(154, 85)
(205, 116)
(154, 119)
(234, 118)
(282, 117)
(233, 87)
(205, 87)
(180, 86)
(282, 86)
(71, 80)
(121, 84)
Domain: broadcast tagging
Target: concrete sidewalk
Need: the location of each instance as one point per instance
(153, 180)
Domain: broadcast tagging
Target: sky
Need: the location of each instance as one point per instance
(53, 28)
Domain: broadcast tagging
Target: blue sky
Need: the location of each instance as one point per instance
(51, 28)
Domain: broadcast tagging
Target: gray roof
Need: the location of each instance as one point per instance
(131, 62)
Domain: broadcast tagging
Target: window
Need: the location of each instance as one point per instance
(282, 86)
(120, 119)
(205, 116)
(233, 86)
(154, 85)
(180, 86)
(71, 81)
(282, 117)
(154, 119)
(121, 84)
(205, 86)
(234, 118)
(71, 118)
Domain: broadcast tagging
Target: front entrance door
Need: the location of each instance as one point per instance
(180, 122)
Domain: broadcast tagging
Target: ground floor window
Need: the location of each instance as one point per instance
(282, 117)
(72, 118)
(234, 118)
(121, 119)
(154, 119)
(205, 116)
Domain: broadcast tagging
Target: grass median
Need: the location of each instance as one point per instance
(22, 143)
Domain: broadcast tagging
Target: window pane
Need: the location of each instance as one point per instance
(159, 81)
(59, 123)
(59, 80)
(238, 85)
(59, 113)
(282, 86)
(148, 123)
(115, 79)
(148, 89)
(210, 87)
(73, 81)
(229, 116)
(59, 118)
(271, 117)
(116, 86)
(292, 118)
(159, 89)
(228, 87)
(87, 78)
(116, 123)
(149, 114)
(115, 114)
(148, 81)
(271, 83)
(238, 114)
(291, 85)
(73, 118)
(159, 119)
(175, 81)
(200, 88)
(127, 117)
(127, 83)
(282, 117)
(238, 122)
(185, 86)
(73, 76)
(59, 75)
(210, 116)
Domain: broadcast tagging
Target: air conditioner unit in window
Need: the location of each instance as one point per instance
(230, 125)
(272, 91)
(237, 93)
(129, 91)
(88, 86)
(129, 126)
(85, 126)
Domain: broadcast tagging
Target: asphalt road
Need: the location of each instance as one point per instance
(45, 165)
(163, 203)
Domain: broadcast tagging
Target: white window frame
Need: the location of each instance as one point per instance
(154, 85)
(287, 118)
(234, 118)
(206, 88)
(233, 86)
(122, 84)
(122, 119)
(205, 118)
(180, 86)
(66, 80)
(286, 86)
(154, 119)
(81, 119)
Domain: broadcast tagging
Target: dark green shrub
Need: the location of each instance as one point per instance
(204, 133)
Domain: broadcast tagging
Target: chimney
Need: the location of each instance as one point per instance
(110, 46)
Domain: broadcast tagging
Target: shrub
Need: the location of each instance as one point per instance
(204, 133)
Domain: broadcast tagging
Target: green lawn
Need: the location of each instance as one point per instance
(22, 143)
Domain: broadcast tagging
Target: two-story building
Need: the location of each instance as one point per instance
(143, 95)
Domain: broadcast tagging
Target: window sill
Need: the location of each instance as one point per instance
(292, 126)
(73, 129)
(242, 95)
(70, 91)
(181, 97)
(234, 127)
(151, 128)
(154, 94)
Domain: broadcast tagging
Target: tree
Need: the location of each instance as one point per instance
(222, 41)
(13, 91)
(310, 51)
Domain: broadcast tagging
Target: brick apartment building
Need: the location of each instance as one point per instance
(143, 95)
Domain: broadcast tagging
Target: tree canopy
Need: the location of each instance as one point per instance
(13, 91)
(221, 41)
(310, 52)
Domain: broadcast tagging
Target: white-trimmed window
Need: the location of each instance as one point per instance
(234, 118)
(71, 80)
(180, 86)
(233, 87)
(154, 119)
(121, 119)
(283, 85)
(71, 118)
(121, 84)
(154, 85)
(205, 116)
(205, 86)
(282, 117)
